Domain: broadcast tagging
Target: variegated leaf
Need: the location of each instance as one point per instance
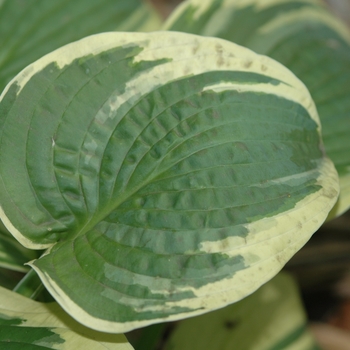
(30, 29)
(306, 38)
(29, 325)
(167, 174)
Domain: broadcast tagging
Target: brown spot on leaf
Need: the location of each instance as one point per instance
(242, 146)
(247, 64)
(218, 48)
(220, 61)
(195, 48)
(230, 324)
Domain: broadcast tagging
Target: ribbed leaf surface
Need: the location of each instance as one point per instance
(169, 174)
(303, 36)
(29, 325)
(30, 29)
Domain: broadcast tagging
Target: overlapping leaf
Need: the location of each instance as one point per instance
(270, 319)
(30, 29)
(303, 36)
(168, 174)
(29, 325)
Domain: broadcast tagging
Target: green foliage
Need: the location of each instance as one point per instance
(30, 29)
(27, 324)
(149, 177)
(302, 35)
(152, 187)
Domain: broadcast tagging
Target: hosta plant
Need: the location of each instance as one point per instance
(305, 37)
(160, 175)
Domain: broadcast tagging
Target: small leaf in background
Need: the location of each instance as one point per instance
(306, 38)
(270, 319)
(30, 29)
(27, 324)
(167, 174)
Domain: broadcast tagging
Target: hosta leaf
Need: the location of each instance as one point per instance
(31, 28)
(29, 325)
(13, 255)
(270, 319)
(303, 36)
(168, 174)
